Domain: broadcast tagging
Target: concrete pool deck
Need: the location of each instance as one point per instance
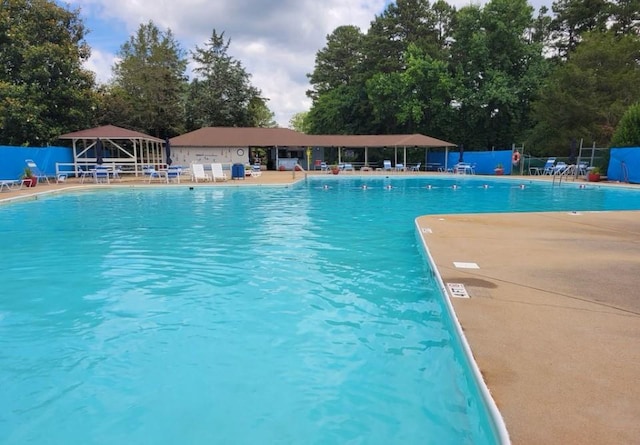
(554, 315)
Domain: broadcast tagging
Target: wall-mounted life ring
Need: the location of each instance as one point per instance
(240, 152)
(516, 157)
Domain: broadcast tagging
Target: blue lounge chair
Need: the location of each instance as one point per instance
(173, 174)
(101, 174)
(548, 167)
(39, 174)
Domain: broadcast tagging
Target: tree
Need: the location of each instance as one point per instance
(498, 70)
(261, 115)
(298, 122)
(626, 16)
(151, 78)
(221, 93)
(627, 132)
(587, 96)
(574, 18)
(44, 89)
(338, 63)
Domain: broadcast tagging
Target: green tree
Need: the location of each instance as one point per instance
(150, 76)
(498, 70)
(261, 115)
(574, 18)
(298, 122)
(338, 63)
(587, 96)
(44, 89)
(626, 16)
(221, 93)
(627, 132)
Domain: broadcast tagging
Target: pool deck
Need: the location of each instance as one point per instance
(553, 317)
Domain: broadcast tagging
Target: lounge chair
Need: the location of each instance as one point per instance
(559, 168)
(198, 174)
(386, 165)
(324, 167)
(348, 167)
(217, 173)
(416, 168)
(10, 184)
(152, 174)
(173, 174)
(256, 170)
(101, 174)
(400, 167)
(548, 167)
(39, 174)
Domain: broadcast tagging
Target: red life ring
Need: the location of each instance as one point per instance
(516, 157)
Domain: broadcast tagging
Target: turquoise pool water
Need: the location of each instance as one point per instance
(266, 315)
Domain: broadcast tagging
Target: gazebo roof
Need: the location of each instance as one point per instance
(108, 132)
(284, 137)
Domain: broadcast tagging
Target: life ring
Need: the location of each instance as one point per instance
(516, 157)
(240, 152)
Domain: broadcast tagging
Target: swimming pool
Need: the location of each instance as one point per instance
(282, 315)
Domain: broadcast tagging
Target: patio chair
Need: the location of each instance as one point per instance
(324, 167)
(416, 168)
(39, 174)
(217, 172)
(559, 168)
(198, 174)
(152, 174)
(173, 174)
(256, 170)
(101, 174)
(400, 167)
(348, 167)
(10, 184)
(386, 165)
(548, 167)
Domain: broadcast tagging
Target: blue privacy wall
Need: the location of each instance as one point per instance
(485, 161)
(12, 159)
(624, 165)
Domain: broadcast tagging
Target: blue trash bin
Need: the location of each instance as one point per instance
(237, 171)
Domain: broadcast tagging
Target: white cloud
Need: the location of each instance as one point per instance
(276, 41)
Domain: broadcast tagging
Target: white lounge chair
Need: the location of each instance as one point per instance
(10, 184)
(256, 170)
(198, 174)
(217, 173)
(386, 165)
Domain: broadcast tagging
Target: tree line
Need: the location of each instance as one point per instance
(484, 76)
(46, 91)
(481, 76)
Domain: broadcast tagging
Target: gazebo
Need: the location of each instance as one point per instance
(127, 149)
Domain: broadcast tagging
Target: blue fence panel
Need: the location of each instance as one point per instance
(624, 165)
(12, 159)
(485, 161)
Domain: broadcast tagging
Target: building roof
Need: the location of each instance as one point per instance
(240, 137)
(284, 137)
(108, 132)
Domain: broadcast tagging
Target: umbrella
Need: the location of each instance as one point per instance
(99, 151)
(461, 158)
(167, 148)
(572, 151)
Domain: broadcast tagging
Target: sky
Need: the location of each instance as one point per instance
(275, 40)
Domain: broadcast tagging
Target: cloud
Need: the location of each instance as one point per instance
(276, 41)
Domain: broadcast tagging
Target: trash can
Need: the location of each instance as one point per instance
(237, 171)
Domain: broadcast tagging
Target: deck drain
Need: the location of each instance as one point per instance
(460, 265)
(457, 290)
